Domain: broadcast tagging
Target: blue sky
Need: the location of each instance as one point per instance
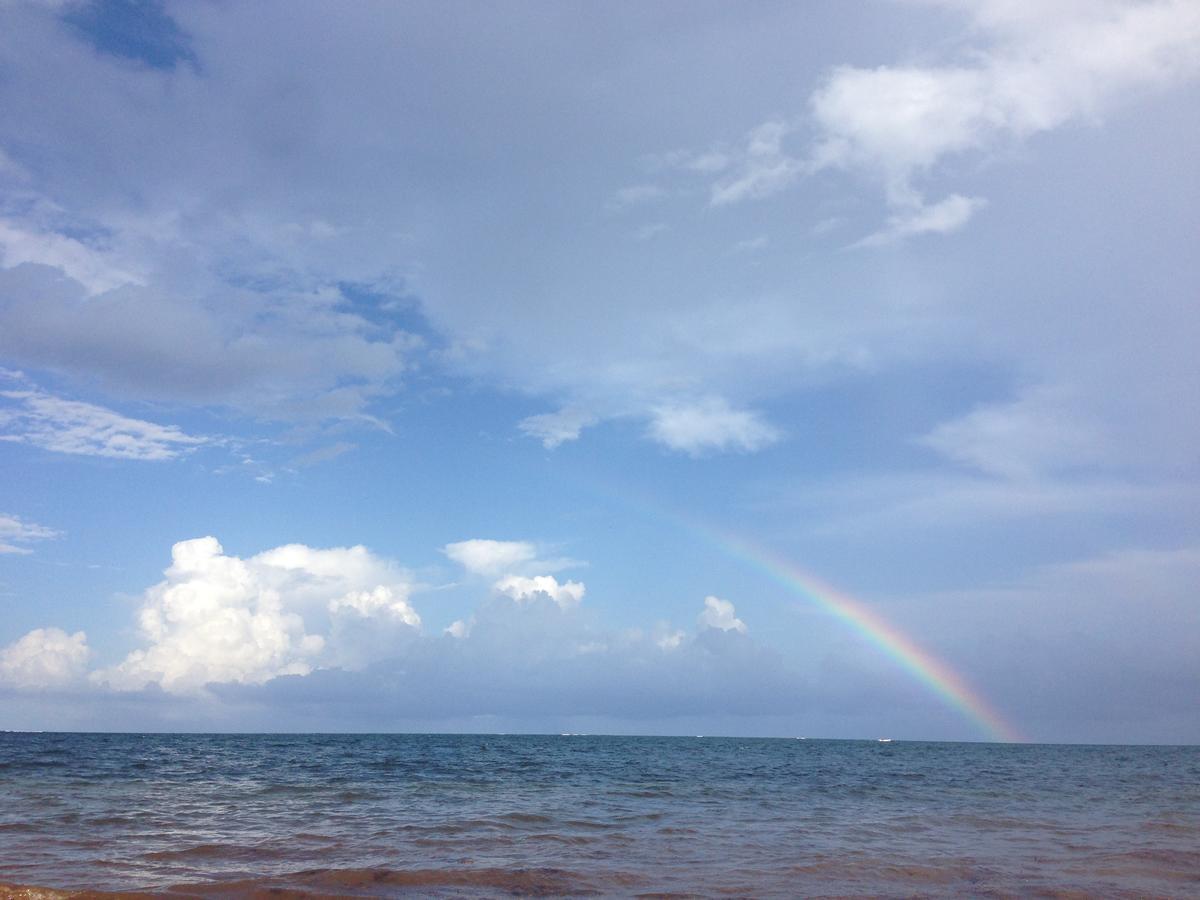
(388, 367)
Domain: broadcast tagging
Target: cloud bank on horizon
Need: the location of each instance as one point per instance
(217, 623)
(907, 289)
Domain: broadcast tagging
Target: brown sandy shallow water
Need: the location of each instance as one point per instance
(362, 883)
(353, 883)
(808, 881)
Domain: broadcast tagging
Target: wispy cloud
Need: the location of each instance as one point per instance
(763, 168)
(95, 270)
(41, 419)
(635, 195)
(1037, 434)
(16, 534)
(650, 230)
(751, 244)
(919, 217)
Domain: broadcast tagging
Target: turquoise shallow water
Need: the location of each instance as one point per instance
(486, 814)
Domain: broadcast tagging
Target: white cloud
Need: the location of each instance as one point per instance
(943, 217)
(708, 425)
(487, 557)
(721, 615)
(1036, 434)
(15, 533)
(556, 428)
(524, 588)
(897, 121)
(240, 304)
(383, 600)
(1049, 64)
(44, 658)
(1042, 66)
(219, 618)
(84, 429)
(512, 560)
(459, 628)
(671, 640)
(86, 265)
(764, 167)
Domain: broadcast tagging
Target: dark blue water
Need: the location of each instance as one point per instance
(486, 815)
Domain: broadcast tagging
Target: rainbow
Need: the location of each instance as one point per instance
(926, 668)
(937, 675)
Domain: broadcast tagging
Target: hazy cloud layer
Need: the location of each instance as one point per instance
(260, 229)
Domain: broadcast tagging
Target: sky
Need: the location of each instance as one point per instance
(821, 369)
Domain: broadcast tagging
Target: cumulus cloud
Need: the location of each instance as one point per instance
(15, 534)
(710, 424)
(523, 589)
(670, 640)
(514, 561)
(45, 658)
(721, 615)
(295, 626)
(220, 618)
(32, 416)
(383, 600)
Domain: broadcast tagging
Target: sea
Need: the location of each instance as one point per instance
(576, 815)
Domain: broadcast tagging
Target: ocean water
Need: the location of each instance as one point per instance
(481, 815)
